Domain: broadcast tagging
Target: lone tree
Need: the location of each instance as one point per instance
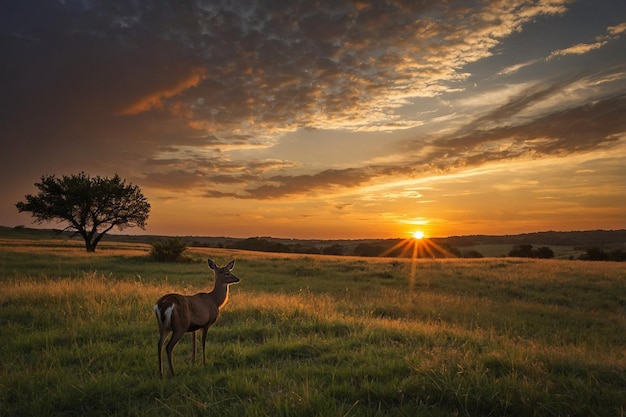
(91, 206)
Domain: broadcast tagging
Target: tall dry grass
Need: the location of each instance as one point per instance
(313, 335)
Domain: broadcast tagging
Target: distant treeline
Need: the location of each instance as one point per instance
(594, 245)
(580, 239)
(389, 248)
(394, 248)
(591, 254)
(322, 248)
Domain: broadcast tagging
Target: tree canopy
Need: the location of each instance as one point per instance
(527, 251)
(91, 206)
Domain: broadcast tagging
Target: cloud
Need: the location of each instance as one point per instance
(282, 185)
(617, 30)
(184, 174)
(573, 130)
(612, 33)
(169, 92)
(175, 179)
(265, 70)
(570, 131)
(155, 99)
(516, 104)
(246, 71)
(578, 49)
(515, 68)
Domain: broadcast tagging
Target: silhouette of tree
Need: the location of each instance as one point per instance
(595, 254)
(543, 252)
(522, 251)
(527, 251)
(91, 206)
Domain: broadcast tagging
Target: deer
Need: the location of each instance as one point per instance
(180, 314)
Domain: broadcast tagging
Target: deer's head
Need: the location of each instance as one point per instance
(223, 274)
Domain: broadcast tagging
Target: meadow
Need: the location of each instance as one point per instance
(311, 335)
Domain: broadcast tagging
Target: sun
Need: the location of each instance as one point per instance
(418, 235)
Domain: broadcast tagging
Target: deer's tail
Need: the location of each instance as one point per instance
(164, 314)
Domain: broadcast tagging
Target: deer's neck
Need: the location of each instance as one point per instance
(219, 295)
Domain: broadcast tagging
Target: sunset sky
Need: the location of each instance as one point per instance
(324, 119)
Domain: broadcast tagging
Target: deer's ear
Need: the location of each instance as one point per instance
(212, 264)
(230, 265)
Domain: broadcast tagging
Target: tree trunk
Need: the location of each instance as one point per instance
(89, 246)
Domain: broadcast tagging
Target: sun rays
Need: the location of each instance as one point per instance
(417, 247)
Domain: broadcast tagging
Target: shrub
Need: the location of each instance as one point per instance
(598, 254)
(527, 251)
(169, 250)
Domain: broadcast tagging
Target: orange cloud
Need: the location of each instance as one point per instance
(578, 49)
(154, 100)
(617, 30)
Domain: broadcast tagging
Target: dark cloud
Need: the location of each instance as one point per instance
(175, 179)
(279, 186)
(219, 194)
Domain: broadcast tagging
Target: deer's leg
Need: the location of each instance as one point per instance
(162, 337)
(204, 333)
(176, 336)
(193, 347)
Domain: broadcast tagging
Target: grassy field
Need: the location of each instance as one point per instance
(312, 335)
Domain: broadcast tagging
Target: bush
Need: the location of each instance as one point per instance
(543, 252)
(170, 250)
(527, 251)
(598, 254)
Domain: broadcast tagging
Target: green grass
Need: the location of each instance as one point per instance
(312, 336)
